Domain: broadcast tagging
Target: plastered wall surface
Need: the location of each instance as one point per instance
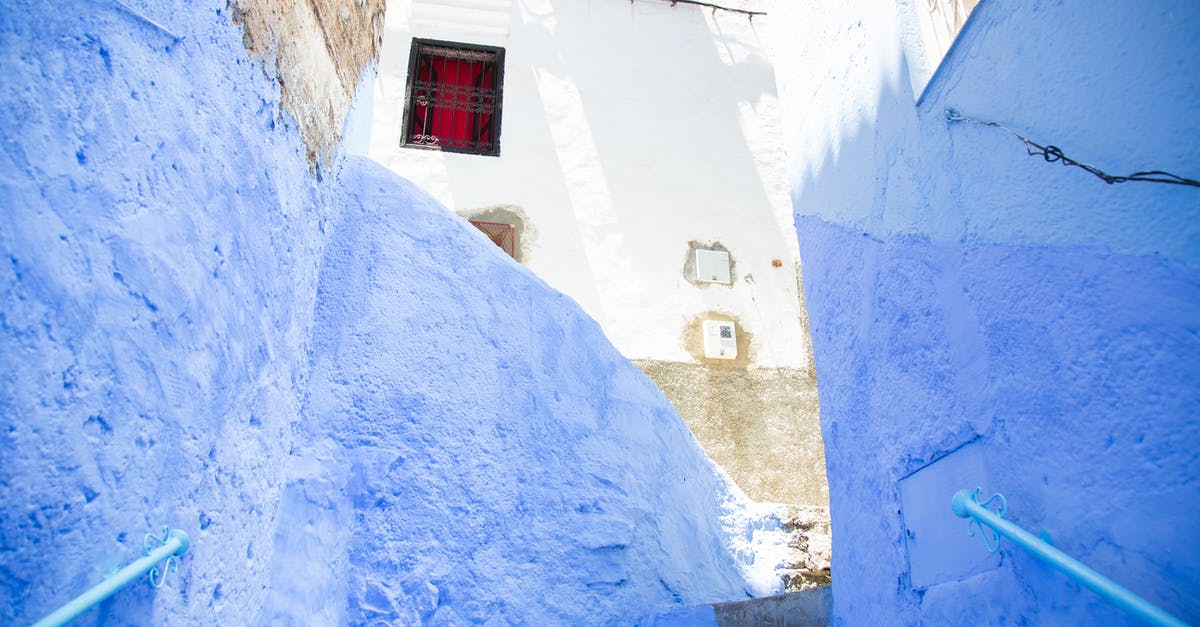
(961, 292)
(629, 130)
(632, 132)
(161, 240)
(473, 437)
(311, 371)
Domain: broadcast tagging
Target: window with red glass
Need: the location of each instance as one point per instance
(453, 100)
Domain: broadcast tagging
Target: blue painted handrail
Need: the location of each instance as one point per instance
(966, 505)
(174, 542)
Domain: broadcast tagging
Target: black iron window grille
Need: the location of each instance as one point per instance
(453, 99)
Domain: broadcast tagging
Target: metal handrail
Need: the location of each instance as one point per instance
(966, 505)
(175, 542)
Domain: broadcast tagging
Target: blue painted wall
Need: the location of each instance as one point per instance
(161, 237)
(357, 406)
(960, 291)
(473, 449)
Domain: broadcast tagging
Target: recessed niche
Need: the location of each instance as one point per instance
(939, 549)
(712, 266)
(708, 265)
(720, 339)
(702, 339)
(507, 226)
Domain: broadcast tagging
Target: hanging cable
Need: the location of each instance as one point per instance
(715, 7)
(1054, 154)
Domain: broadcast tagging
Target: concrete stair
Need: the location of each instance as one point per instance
(806, 608)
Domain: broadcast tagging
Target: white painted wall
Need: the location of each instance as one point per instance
(928, 28)
(628, 129)
(830, 100)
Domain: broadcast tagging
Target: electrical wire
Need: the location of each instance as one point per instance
(1054, 154)
(715, 7)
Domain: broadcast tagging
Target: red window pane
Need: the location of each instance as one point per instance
(454, 98)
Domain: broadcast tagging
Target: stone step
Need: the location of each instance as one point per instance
(810, 542)
(807, 608)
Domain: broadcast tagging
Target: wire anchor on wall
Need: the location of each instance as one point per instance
(164, 551)
(1055, 154)
(991, 538)
(149, 544)
(715, 7)
(966, 504)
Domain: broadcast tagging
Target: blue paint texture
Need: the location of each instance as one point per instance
(960, 291)
(360, 410)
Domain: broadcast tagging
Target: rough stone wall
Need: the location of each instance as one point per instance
(317, 51)
(760, 424)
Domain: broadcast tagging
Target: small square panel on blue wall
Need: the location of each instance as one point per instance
(939, 549)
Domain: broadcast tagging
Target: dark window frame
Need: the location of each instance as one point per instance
(410, 105)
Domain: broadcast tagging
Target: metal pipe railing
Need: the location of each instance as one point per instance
(966, 505)
(175, 542)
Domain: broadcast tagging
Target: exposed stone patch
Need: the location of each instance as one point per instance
(316, 50)
(808, 560)
(760, 424)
